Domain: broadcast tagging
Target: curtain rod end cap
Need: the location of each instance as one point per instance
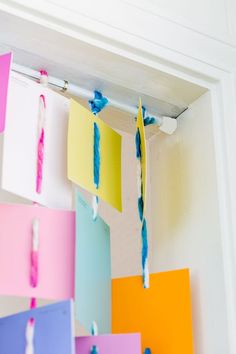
(169, 125)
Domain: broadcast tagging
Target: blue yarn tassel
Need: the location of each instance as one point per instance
(147, 351)
(94, 350)
(138, 144)
(140, 210)
(140, 207)
(149, 121)
(98, 103)
(144, 243)
(96, 155)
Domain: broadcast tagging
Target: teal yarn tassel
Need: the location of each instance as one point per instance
(96, 105)
(140, 207)
(149, 121)
(141, 210)
(138, 155)
(96, 155)
(94, 350)
(144, 243)
(94, 332)
(145, 255)
(147, 351)
(138, 144)
(94, 329)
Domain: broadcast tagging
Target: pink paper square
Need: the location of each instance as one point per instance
(5, 66)
(56, 251)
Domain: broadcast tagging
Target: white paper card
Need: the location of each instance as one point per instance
(19, 167)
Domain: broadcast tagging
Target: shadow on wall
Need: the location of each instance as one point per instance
(172, 179)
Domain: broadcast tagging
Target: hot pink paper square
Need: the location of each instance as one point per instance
(56, 251)
(5, 66)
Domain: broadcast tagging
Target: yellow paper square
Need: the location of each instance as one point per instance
(161, 313)
(140, 126)
(80, 155)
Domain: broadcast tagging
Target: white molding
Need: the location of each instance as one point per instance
(152, 7)
(224, 125)
(149, 34)
(164, 45)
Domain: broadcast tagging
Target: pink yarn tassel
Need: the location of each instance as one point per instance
(40, 159)
(33, 305)
(34, 269)
(34, 262)
(40, 147)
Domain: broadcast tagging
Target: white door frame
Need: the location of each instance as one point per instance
(162, 44)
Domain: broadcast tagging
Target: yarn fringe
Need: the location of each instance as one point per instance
(96, 105)
(96, 155)
(141, 208)
(94, 349)
(94, 329)
(40, 144)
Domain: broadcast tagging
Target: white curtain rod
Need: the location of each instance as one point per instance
(165, 124)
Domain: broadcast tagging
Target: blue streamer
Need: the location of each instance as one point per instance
(96, 155)
(149, 121)
(141, 212)
(144, 243)
(140, 207)
(98, 103)
(147, 351)
(138, 144)
(94, 350)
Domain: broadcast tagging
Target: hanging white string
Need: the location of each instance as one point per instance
(94, 332)
(29, 336)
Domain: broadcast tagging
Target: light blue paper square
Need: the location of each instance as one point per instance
(93, 269)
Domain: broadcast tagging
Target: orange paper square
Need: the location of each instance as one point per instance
(161, 313)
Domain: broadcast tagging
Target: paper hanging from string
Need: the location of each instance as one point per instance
(141, 128)
(80, 155)
(140, 143)
(162, 313)
(21, 142)
(5, 67)
(93, 269)
(55, 256)
(53, 332)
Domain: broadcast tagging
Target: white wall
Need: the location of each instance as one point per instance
(185, 217)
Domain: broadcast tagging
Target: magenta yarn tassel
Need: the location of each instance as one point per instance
(40, 146)
(40, 159)
(34, 269)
